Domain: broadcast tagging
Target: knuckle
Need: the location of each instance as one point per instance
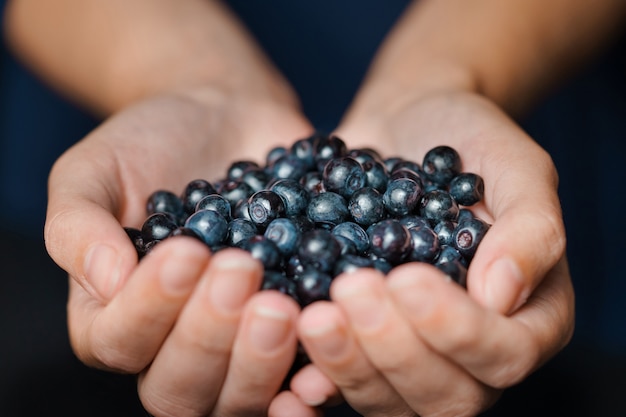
(514, 369)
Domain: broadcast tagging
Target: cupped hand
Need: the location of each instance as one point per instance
(191, 324)
(415, 343)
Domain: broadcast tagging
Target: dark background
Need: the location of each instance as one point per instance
(323, 47)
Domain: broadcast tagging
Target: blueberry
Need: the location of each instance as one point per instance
(464, 214)
(455, 270)
(406, 165)
(468, 235)
(424, 245)
(302, 222)
(211, 226)
(326, 148)
(293, 266)
(441, 164)
(265, 206)
(354, 233)
(235, 191)
(217, 203)
(413, 220)
(275, 153)
(194, 191)
(312, 182)
(256, 178)
(389, 239)
(343, 176)
(241, 210)
(288, 166)
(277, 281)
(402, 196)
(240, 230)
(438, 205)
(236, 170)
(285, 234)
(294, 195)
(366, 206)
(135, 236)
(445, 230)
(319, 249)
(380, 264)
(163, 201)
(467, 188)
(327, 208)
(347, 246)
(312, 285)
(185, 231)
(350, 263)
(407, 173)
(158, 226)
(263, 250)
(303, 149)
(449, 253)
(391, 162)
(376, 175)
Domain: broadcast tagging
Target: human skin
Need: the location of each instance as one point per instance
(443, 76)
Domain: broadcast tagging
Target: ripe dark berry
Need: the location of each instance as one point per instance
(343, 176)
(211, 226)
(265, 206)
(455, 270)
(217, 203)
(135, 236)
(312, 285)
(327, 148)
(467, 188)
(327, 208)
(355, 234)
(239, 230)
(194, 191)
(389, 239)
(467, 236)
(285, 235)
(424, 244)
(441, 164)
(256, 178)
(319, 249)
(294, 195)
(238, 168)
(235, 191)
(445, 230)
(163, 201)
(366, 206)
(263, 250)
(158, 226)
(350, 263)
(275, 280)
(402, 196)
(439, 205)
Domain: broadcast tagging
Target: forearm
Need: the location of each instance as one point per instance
(510, 51)
(107, 54)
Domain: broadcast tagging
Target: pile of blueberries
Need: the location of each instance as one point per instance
(317, 209)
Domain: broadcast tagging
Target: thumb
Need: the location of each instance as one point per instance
(527, 237)
(83, 236)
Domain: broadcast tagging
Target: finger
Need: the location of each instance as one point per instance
(264, 349)
(81, 232)
(287, 404)
(325, 334)
(497, 350)
(314, 388)
(186, 376)
(126, 334)
(527, 237)
(421, 376)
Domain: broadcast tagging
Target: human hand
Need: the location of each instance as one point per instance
(187, 322)
(415, 343)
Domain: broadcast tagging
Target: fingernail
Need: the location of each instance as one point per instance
(232, 282)
(103, 268)
(269, 328)
(503, 288)
(180, 272)
(326, 339)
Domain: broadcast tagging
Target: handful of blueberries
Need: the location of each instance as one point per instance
(318, 209)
